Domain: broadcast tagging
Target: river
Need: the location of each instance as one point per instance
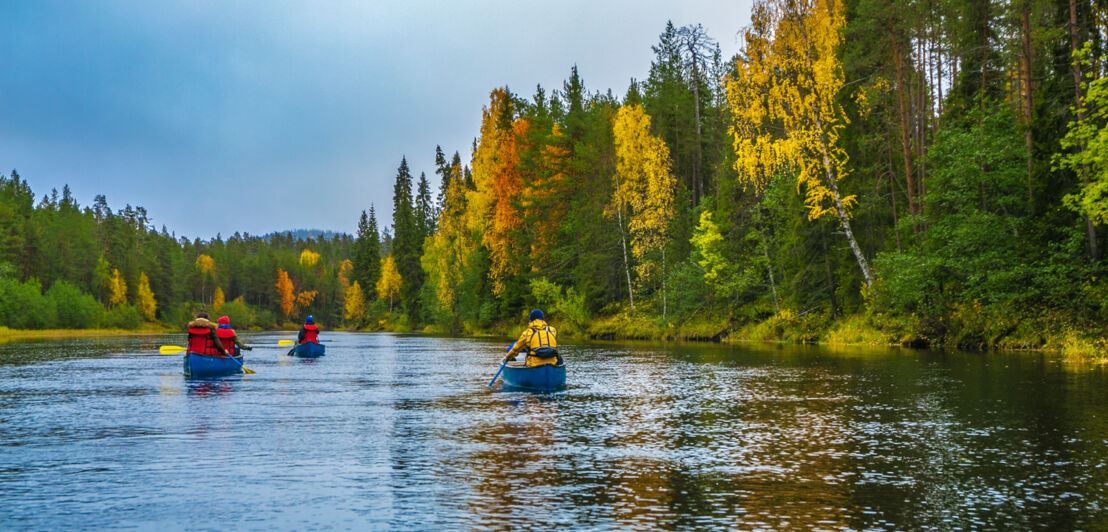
(401, 432)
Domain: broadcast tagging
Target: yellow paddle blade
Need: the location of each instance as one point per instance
(285, 342)
(171, 349)
(248, 371)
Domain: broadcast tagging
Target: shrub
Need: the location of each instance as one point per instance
(241, 315)
(73, 309)
(123, 317)
(22, 305)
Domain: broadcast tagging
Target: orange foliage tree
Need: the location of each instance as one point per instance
(498, 180)
(284, 292)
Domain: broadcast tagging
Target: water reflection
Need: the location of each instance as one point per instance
(393, 431)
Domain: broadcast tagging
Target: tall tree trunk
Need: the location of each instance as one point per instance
(1027, 100)
(769, 268)
(905, 127)
(1090, 231)
(663, 281)
(892, 197)
(830, 277)
(698, 175)
(840, 210)
(623, 241)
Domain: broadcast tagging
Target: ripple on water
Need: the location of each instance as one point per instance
(394, 431)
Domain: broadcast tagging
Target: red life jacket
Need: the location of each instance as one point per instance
(201, 342)
(311, 334)
(227, 338)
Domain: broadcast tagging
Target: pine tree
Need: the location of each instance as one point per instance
(425, 209)
(367, 250)
(407, 243)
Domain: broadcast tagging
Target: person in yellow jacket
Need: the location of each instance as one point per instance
(539, 341)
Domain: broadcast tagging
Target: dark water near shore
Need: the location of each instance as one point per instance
(396, 432)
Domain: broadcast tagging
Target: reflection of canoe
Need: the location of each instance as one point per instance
(544, 378)
(206, 366)
(309, 350)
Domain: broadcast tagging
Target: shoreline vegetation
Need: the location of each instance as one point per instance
(860, 173)
(854, 331)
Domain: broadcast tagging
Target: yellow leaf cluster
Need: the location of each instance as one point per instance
(354, 302)
(449, 250)
(345, 268)
(308, 258)
(218, 299)
(644, 182)
(118, 292)
(144, 298)
(204, 263)
(783, 99)
(304, 299)
(388, 286)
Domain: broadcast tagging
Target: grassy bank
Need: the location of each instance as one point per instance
(970, 328)
(8, 335)
(971, 331)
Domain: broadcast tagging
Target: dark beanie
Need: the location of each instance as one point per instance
(536, 315)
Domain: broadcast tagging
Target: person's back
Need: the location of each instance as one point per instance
(309, 332)
(202, 337)
(227, 337)
(538, 340)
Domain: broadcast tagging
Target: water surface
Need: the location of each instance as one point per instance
(393, 431)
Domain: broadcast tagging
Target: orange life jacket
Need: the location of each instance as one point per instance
(311, 334)
(202, 343)
(227, 338)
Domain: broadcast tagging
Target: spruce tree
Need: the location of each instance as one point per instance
(407, 242)
(367, 250)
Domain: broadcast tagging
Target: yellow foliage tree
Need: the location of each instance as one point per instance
(304, 299)
(205, 264)
(144, 298)
(645, 184)
(388, 286)
(496, 173)
(782, 95)
(449, 252)
(218, 299)
(308, 258)
(346, 267)
(118, 287)
(284, 293)
(354, 307)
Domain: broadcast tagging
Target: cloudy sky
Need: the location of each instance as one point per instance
(247, 116)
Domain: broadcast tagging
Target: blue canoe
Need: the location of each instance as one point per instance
(206, 366)
(546, 378)
(309, 350)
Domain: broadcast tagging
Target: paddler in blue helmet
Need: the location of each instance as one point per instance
(309, 332)
(538, 340)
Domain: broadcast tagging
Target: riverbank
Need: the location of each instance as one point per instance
(8, 335)
(973, 332)
(971, 329)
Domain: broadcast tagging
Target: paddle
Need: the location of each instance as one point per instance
(290, 342)
(245, 369)
(502, 364)
(174, 349)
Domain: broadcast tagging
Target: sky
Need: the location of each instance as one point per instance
(257, 116)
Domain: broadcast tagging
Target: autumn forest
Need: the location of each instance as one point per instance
(926, 172)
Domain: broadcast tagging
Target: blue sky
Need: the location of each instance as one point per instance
(258, 116)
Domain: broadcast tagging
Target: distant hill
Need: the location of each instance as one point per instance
(304, 234)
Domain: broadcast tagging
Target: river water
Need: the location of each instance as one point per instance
(401, 432)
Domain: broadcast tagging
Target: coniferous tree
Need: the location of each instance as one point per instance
(407, 242)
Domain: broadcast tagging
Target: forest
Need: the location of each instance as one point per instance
(924, 172)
